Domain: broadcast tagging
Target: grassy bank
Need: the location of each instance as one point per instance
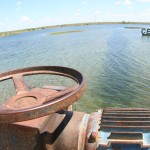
(8, 33)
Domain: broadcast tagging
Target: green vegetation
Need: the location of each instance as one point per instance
(65, 32)
(8, 33)
(134, 27)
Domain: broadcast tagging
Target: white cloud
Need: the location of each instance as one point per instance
(25, 19)
(84, 2)
(139, 16)
(119, 17)
(97, 12)
(19, 3)
(128, 2)
(18, 8)
(148, 12)
(144, 0)
(117, 2)
(130, 7)
(77, 13)
(6, 19)
(48, 19)
(95, 16)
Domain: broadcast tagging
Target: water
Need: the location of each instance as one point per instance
(114, 60)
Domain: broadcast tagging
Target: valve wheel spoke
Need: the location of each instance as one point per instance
(60, 94)
(19, 84)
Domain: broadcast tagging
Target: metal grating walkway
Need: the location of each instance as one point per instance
(124, 129)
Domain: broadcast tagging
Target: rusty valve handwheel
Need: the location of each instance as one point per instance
(37, 102)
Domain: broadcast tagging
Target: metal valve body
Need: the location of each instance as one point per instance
(66, 130)
(108, 129)
(38, 118)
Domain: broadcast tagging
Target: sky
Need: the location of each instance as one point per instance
(21, 14)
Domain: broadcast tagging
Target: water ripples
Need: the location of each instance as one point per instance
(114, 61)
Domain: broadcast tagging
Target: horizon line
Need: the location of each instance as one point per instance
(5, 33)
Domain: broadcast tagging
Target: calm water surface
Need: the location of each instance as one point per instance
(114, 60)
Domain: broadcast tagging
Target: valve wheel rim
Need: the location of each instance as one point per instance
(9, 116)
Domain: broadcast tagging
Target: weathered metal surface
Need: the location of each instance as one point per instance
(107, 129)
(23, 135)
(92, 131)
(65, 130)
(68, 134)
(125, 129)
(30, 104)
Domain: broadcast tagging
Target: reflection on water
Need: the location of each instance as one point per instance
(113, 59)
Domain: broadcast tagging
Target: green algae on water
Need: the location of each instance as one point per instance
(65, 32)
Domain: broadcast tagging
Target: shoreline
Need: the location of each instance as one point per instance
(8, 33)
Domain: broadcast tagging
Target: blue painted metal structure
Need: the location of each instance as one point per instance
(125, 129)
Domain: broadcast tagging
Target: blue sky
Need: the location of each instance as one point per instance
(20, 14)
